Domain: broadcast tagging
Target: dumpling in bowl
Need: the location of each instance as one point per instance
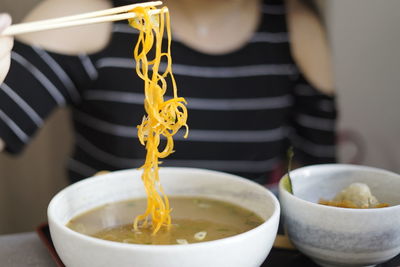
(356, 196)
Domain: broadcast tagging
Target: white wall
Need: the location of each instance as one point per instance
(365, 37)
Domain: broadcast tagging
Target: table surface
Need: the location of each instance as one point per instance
(26, 249)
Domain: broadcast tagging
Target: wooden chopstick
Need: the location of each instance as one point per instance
(283, 242)
(107, 15)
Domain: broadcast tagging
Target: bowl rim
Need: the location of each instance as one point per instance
(293, 197)
(100, 242)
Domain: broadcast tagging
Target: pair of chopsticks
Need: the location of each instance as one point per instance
(107, 15)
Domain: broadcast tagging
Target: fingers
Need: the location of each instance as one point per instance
(4, 67)
(5, 21)
(6, 44)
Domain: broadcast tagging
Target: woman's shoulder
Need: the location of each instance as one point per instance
(70, 41)
(309, 45)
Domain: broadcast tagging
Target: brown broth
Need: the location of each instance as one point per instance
(193, 220)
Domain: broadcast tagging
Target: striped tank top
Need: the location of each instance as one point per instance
(245, 107)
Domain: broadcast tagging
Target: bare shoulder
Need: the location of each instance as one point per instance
(309, 46)
(71, 41)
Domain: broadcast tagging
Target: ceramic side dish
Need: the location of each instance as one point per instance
(244, 250)
(334, 236)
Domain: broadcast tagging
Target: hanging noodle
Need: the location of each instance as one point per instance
(163, 117)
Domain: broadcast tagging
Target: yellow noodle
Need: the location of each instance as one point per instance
(163, 117)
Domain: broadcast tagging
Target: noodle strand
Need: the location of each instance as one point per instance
(163, 117)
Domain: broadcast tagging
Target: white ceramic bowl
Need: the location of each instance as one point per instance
(247, 249)
(334, 236)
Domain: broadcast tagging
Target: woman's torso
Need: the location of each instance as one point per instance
(238, 104)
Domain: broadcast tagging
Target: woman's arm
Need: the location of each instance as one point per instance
(70, 41)
(309, 46)
(314, 114)
(15, 90)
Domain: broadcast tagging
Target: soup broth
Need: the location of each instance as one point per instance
(193, 220)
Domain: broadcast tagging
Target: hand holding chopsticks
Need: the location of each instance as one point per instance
(6, 45)
(107, 15)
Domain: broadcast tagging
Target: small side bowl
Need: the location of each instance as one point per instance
(248, 249)
(333, 236)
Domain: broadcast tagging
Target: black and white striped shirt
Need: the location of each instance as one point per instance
(245, 107)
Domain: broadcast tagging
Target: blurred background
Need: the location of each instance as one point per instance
(365, 40)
